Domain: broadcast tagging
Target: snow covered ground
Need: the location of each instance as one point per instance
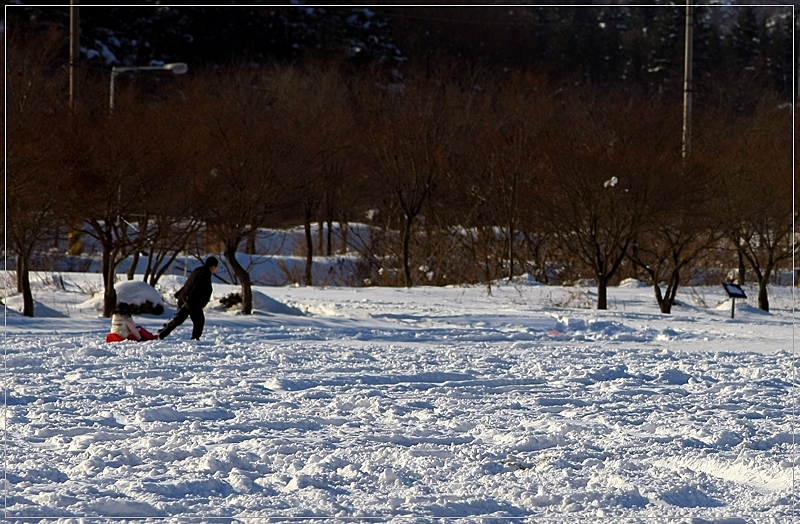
(405, 405)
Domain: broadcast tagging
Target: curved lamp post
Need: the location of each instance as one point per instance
(177, 68)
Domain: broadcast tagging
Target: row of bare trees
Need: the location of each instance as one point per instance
(469, 177)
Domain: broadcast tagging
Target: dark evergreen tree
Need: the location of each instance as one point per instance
(779, 54)
(665, 49)
(746, 39)
(139, 35)
(707, 55)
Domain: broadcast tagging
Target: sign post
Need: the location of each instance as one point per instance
(734, 291)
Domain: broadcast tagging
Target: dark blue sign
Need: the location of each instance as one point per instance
(734, 291)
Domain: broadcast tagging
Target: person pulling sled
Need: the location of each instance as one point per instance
(192, 298)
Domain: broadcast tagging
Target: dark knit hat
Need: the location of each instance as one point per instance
(123, 308)
(212, 261)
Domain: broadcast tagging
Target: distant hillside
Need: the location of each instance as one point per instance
(598, 44)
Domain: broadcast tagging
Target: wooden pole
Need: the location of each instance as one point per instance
(74, 48)
(687, 84)
(74, 234)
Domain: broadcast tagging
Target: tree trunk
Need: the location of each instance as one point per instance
(510, 251)
(666, 303)
(243, 276)
(740, 276)
(110, 294)
(330, 237)
(134, 263)
(149, 267)
(669, 295)
(309, 250)
(487, 263)
(19, 273)
(250, 247)
(321, 235)
(763, 298)
(662, 303)
(141, 244)
(406, 249)
(105, 261)
(25, 283)
(108, 267)
(604, 274)
(602, 293)
(344, 228)
(163, 263)
(673, 289)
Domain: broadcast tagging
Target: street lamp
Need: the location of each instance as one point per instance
(177, 68)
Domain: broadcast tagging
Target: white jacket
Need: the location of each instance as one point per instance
(124, 326)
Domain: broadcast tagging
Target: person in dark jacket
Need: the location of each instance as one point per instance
(192, 298)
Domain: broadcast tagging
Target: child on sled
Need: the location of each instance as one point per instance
(124, 328)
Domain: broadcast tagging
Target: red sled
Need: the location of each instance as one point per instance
(146, 335)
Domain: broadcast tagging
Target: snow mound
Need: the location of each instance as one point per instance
(674, 376)
(266, 304)
(134, 292)
(751, 309)
(743, 307)
(528, 280)
(633, 283)
(15, 303)
(600, 329)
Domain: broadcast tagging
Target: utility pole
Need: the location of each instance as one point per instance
(687, 85)
(74, 233)
(74, 48)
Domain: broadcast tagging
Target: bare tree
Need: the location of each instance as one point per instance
(322, 116)
(756, 191)
(506, 155)
(241, 177)
(108, 158)
(169, 217)
(679, 228)
(410, 133)
(603, 157)
(34, 112)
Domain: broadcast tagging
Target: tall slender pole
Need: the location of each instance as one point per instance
(74, 233)
(687, 85)
(111, 89)
(74, 48)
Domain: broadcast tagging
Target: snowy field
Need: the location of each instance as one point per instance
(420, 405)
